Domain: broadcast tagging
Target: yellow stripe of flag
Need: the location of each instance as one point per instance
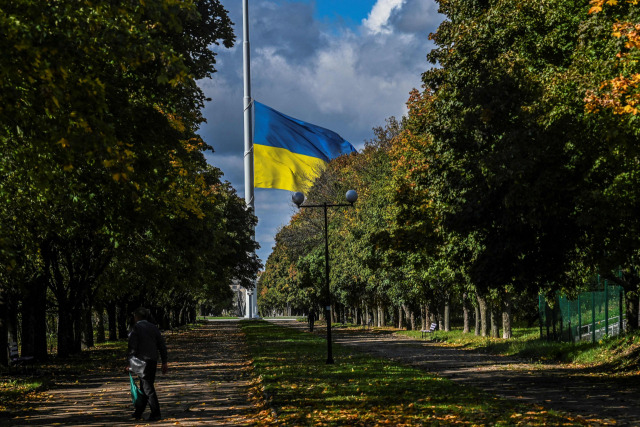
(280, 168)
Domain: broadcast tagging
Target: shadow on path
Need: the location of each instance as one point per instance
(582, 392)
(207, 384)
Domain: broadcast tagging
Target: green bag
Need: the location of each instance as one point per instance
(137, 397)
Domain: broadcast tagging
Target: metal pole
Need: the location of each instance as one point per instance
(579, 320)
(620, 324)
(569, 319)
(540, 314)
(606, 308)
(593, 315)
(248, 137)
(328, 289)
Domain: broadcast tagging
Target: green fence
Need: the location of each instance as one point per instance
(591, 316)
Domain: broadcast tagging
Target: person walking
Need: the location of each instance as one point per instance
(145, 342)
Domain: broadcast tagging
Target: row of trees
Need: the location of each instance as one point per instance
(515, 173)
(107, 202)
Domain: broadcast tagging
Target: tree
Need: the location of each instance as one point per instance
(99, 112)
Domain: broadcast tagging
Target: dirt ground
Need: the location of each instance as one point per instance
(597, 398)
(207, 384)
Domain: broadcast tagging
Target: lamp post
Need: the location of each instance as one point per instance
(298, 199)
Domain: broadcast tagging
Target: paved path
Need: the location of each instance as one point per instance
(581, 392)
(208, 384)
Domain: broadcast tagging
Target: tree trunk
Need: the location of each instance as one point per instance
(65, 329)
(12, 319)
(476, 330)
(34, 321)
(495, 326)
(28, 325)
(78, 330)
(447, 313)
(88, 328)
(466, 314)
(631, 309)
(100, 331)
(39, 302)
(506, 318)
(428, 316)
(111, 320)
(184, 311)
(433, 318)
(412, 320)
(400, 317)
(484, 324)
(122, 318)
(406, 316)
(380, 316)
(4, 331)
(376, 312)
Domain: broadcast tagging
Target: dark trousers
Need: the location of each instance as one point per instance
(149, 390)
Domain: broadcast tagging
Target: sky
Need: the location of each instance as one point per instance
(346, 65)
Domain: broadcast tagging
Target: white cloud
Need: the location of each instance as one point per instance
(379, 16)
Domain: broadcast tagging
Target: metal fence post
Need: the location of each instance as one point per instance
(579, 320)
(606, 308)
(593, 316)
(569, 320)
(620, 310)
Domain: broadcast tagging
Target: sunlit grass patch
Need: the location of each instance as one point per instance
(620, 352)
(14, 391)
(363, 390)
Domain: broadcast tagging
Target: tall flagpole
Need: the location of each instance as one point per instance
(251, 300)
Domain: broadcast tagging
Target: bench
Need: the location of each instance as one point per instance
(431, 330)
(14, 355)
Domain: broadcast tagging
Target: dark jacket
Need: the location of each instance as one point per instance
(145, 341)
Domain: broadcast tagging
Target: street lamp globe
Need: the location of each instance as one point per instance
(351, 196)
(297, 198)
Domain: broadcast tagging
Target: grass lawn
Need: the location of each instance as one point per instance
(363, 390)
(13, 391)
(614, 353)
(215, 317)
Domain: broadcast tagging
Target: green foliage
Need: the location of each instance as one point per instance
(104, 186)
(514, 173)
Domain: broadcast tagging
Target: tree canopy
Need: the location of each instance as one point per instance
(103, 179)
(514, 172)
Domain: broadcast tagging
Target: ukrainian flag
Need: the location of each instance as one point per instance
(289, 153)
